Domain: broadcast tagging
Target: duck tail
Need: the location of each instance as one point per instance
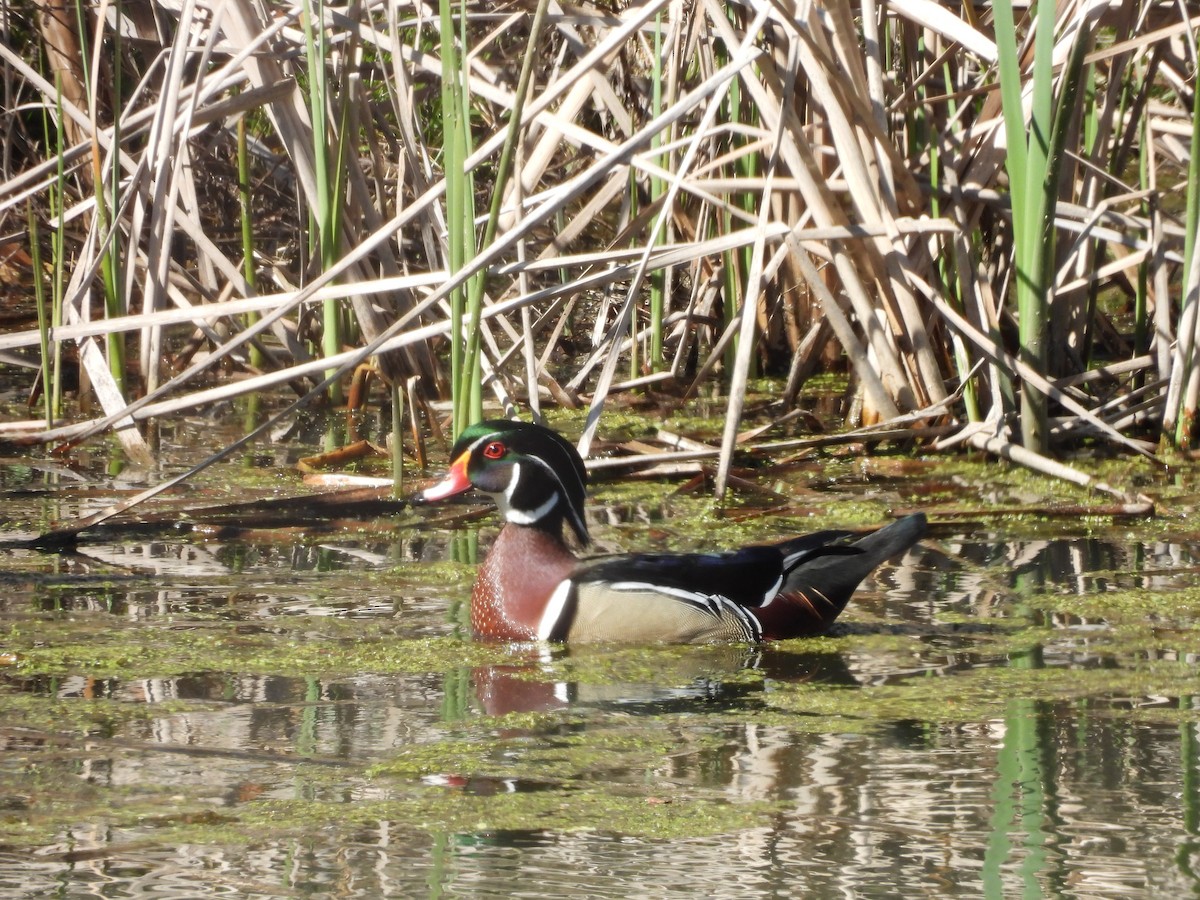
(828, 580)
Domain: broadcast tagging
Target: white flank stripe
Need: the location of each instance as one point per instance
(554, 609)
(694, 597)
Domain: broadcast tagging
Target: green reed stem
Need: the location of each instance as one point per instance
(473, 411)
(397, 438)
(109, 247)
(634, 212)
(1193, 192)
(114, 294)
(1185, 420)
(328, 205)
(472, 363)
(1027, 164)
(731, 288)
(1141, 312)
(453, 160)
(245, 202)
(926, 140)
(1192, 219)
(1033, 167)
(39, 297)
(1091, 149)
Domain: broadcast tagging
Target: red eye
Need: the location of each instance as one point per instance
(494, 450)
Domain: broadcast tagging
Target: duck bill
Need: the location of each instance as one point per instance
(455, 482)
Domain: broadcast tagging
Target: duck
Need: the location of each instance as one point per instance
(532, 587)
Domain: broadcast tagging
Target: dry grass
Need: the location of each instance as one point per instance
(812, 183)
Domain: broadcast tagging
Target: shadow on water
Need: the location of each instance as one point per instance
(997, 715)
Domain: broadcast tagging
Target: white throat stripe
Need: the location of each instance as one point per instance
(529, 516)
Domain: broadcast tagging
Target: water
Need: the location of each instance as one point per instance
(1005, 711)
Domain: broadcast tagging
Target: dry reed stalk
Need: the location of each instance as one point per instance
(871, 178)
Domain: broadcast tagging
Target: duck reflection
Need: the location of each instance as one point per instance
(650, 680)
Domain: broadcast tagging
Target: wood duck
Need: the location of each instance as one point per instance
(531, 587)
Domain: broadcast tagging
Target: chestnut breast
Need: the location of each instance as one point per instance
(515, 582)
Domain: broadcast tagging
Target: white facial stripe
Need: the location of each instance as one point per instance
(554, 609)
(479, 441)
(512, 484)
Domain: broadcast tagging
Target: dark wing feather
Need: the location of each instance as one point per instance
(743, 576)
(749, 576)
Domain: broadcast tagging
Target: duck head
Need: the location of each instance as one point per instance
(536, 477)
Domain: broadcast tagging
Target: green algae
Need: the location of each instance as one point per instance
(297, 646)
(663, 814)
(434, 573)
(552, 756)
(41, 712)
(1144, 607)
(584, 772)
(981, 693)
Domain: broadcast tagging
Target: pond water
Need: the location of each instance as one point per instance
(1009, 709)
